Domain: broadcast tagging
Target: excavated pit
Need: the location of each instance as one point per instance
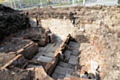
(76, 43)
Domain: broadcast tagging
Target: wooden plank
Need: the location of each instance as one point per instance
(62, 46)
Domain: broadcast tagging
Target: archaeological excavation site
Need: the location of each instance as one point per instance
(66, 43)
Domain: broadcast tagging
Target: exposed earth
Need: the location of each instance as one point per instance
(75, 43)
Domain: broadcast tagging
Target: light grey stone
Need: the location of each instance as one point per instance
(73, 60)
(54, 76)
(63, 70)
(67, 54)
(57, 76)
(49, 54)
(61, 76)
(63, 64)
(44, 59)
(67, 75)
(76, 52)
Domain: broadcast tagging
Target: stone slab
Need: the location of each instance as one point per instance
(74, 44)
(57, 76)
(76, 52)
(44, 59)
(49, 47)
(49, 54)
(73, 60)
(67, 54)
(63, 70)
(63, 64)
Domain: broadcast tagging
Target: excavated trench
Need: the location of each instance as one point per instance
(75, 43)
(69, 62)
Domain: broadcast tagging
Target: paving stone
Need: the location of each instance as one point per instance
(49, 47)
(57, 76)
(63, 64)
(67, 54)
(33, 66)
(49, 54)
(61, 76)
(44, 59)
(76, 52)
(63, 70)
(73, 60)
(74, 44)
(38, 55)
(54, 76)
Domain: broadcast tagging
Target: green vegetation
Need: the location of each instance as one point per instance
(34, 1)
(118, 1)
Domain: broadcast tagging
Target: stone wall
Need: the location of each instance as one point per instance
(59, 27)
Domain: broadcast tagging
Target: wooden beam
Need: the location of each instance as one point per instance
(62, 46)
(9, 62)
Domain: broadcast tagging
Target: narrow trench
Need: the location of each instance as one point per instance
(68, 62)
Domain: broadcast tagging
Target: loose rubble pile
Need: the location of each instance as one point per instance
(11, 21)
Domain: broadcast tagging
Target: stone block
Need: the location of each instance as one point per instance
(75, 52)
(57, 76)
(74, 44)
(49, 54)
(44, 59)
(67, 54)
(63, 70)
(73, 60)
(63, 64)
